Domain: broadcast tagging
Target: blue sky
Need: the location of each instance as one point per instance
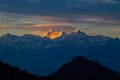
(36, 16)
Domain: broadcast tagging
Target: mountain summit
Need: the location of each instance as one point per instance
(81, 68)
(52, 34)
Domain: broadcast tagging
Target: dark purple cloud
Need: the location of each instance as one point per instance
(73, 11)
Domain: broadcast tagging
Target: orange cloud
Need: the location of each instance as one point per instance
(54, 19)
(46, 25)
(29, 23)
(3, 27)
(40, 28)
(55, 27)
(116, 30)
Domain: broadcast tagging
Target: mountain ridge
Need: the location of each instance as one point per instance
(79, 68)
(51, 39)
(53, 34)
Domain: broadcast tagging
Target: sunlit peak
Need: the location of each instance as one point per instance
(76, 30)
(52, 34)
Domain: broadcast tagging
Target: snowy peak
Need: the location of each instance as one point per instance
(8, 36)
(53, 35)
(78, 34)
(77, 30)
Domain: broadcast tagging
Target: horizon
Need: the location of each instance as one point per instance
(95, 17)
(42, 35)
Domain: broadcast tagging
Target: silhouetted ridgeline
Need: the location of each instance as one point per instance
(82, 69)
(78, 69)
(8, 72)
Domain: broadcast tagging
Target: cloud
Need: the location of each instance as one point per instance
(90, 21)
(55, 27)
(63, 8)
(100, 22)
(3, 27)
(90, 12)
(7, 20)
(41, 27)
(26, 23)
(54, 19)
(19, 20)
(116, 30)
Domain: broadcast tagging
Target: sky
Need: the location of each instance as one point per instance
(94, 17)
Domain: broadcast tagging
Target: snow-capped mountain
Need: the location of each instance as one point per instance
(53, 35)
(52, 39)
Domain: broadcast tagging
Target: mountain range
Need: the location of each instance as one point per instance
(53, 49)
(51, 39)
